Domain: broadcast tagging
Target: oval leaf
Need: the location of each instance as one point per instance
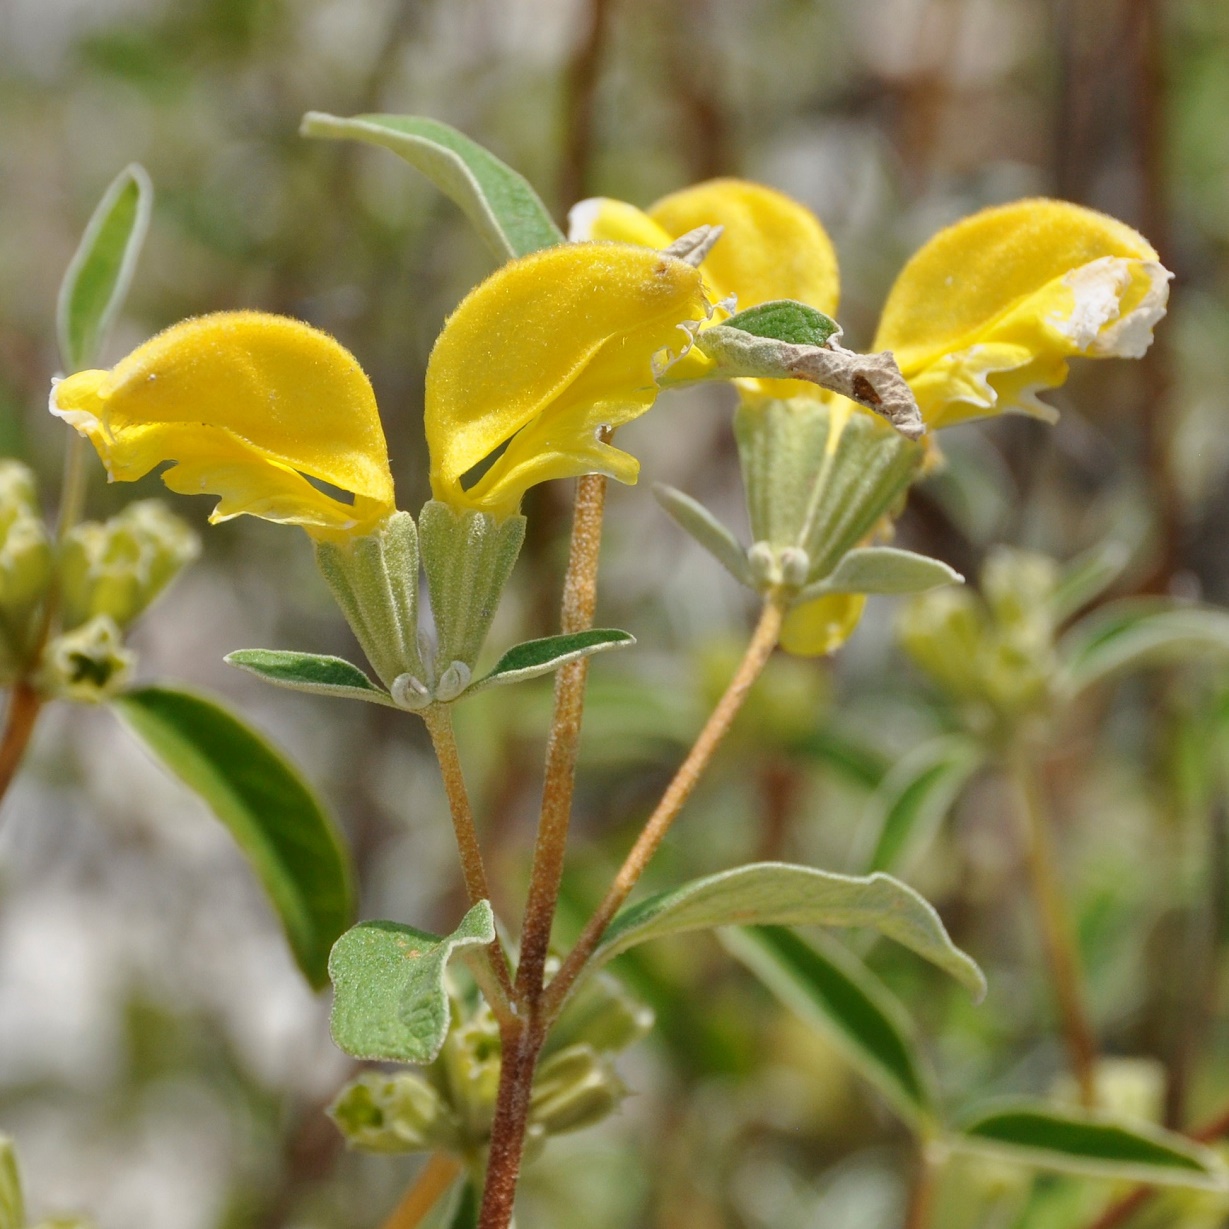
(535, 657)
(786, 320)
(389, 1000)
(275, 818)
(1092, 1145)
(776, 893)
(310, 672)
(694, 519)
(1136, 634)
(884, 569)
(911, 802)
(831, 988)
(98, 276)
(507, 212)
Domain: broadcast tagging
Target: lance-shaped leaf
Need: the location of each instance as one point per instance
(273, 814)
(389, 999)
(778, 894)
(883, 569)
(1091, 1144)
(1136, 634)
(872, 380)
(831, 988)
(694, 519)
(507, 212)
(98, 276)
(315, 673)
(911, 802)
(1086, 577)
(532, 658)
(12, 1205)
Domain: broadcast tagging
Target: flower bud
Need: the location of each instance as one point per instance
(601, 1014)
(574, 1088)
(397, 1113)
(943, 631)
(25, 565)
(468, 1067)
(87, 664)
(119, 567)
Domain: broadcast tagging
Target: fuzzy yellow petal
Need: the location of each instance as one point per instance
(249, 406)
(986, 314)
(543, 354)
(606, 220)
(822, 625)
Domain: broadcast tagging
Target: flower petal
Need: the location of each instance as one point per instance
(822, 625)
(986, 314)
(544, 353)
(606, 220)
(250, 406)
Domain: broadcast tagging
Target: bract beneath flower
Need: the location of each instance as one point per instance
(771, 248)
(249, 406)
(987, 313)
(542, 356)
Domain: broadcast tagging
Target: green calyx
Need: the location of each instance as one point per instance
(815, 488)
(375, 581)
(25, 567)
(468, 557)
(88, 664)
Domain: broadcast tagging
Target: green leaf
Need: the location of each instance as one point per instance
(389, 1000)
(786, 320)
(98, 276)
(1092, 1145)
(275, 818)
(911, 802)
(1087, 576)
(831, 988)
(468, 1203)
(508, 213)
(884, 569)
(778, 894)
(535, 657)
(12, 1206)
(694, 519)
(1138, 633)
(310, 672)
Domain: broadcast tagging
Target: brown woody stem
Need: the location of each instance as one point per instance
(23, 709)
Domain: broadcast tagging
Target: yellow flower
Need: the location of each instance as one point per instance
(249, 407)
(981, 319)
(541, 357)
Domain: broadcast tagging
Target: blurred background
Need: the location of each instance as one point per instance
(162, 1065)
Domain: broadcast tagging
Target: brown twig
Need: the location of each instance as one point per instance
(428, 1188)
(1056, 929)
(438, 719)
(23, 709)
(763, 641)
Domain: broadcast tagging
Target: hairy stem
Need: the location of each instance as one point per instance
(521, 1044)
(763, 642)
(23, 709)
(1056, 929)
(579, 603)
(438, 719)
(425, 1192)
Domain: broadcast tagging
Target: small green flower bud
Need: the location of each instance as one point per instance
(1018, 587)
(575, 1088)
(943, 630)
(600, 1014)
(87, 664)
(119, 568)
(398, 1113)
(25, 565)
(468, 1067)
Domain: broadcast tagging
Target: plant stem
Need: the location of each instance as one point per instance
(433, 1180)
(922, 1195)
(438, 719)
(579, 603)
(760, 648)
(72, 487)
(1056, 928)
(521, 1042)
(23, 709)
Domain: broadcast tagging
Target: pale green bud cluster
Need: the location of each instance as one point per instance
(995, 651)
(449, 1105)
(87, 664)
(117, 568)
(26, 565)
